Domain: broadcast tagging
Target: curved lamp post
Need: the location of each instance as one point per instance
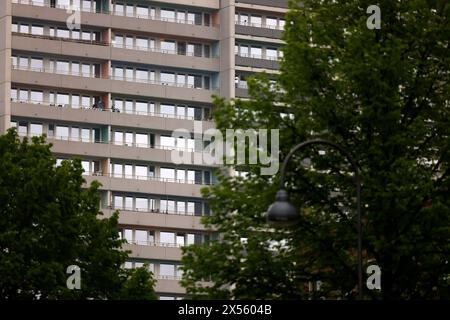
(282, 213)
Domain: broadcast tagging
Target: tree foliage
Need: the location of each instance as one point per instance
(384, 96)
(49, 221)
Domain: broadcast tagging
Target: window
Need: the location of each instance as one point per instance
(141, 107)
(271, 22)
(118, 41)
(130, 10)
(86, 102)
(168, 46)
(37, 96)
(23, 128)
(36, 129)
(62, 99)
(181, 17)
(142, 204)
(62, 67)
(168, 174)
(142, 43)
(181, 177)
(168, 110)
(142, 11)
(14, 27)
(128, 106)
(255, 21)
(128, 203)
(271, 53)
(118, 202)
(37, 63)
(37, 30)
(13, 94)
(118, 73)
(256, 52)
(168, 142)
(23, 95)
(129, 42)
(141, 172)
(167, 237)
(167, 15)
(86, 70)
(75, 134)
(75, 101)
(141, 75)
(85, 135)
(180, 239)
(62, 33)
(24, 28)
(141, 140)
(167, 78)
(62, 132)
(86, 167)
(75, 68)
(168, 206)
(128, 235)
(141, 237)
(166, 270)
(119, 9)
(243, 19)
(129, 138)
(118, 170)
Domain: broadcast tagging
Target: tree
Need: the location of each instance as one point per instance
(384, 95)
(48, 222)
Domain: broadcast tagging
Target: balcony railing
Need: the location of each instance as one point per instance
(55, 71)
(258, 56)
(159, 50)
(259, 25)
(116, 13)
(112, 109)
(155, 244)
(38, 36)
(150, 210)
(145, 178)
(112, 77)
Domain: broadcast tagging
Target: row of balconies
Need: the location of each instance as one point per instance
(30, 76)
(104, 19)
(150, 23)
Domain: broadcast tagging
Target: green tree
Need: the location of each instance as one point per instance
(49, 221)
(384, 95)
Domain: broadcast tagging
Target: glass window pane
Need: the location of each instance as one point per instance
(118, 202)
(118, 137)
(37, 96)
(142, 204)
(128, 203)
(141, 140)
(168, 174)
(141, 172)
(36, 129)
(141, 107)
(142, 11)
(85, 165)
(167, 141)
(167, 237)
(168, 46)
(37, 30)
(167, 15)
(141, 237)
(62, 132)
(167, 78)
(168, 110)
(85, 135)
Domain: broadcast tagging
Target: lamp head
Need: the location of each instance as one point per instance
(282, 213)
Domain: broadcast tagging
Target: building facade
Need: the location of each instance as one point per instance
(111, 80)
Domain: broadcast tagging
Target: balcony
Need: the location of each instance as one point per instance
(101, 149)
(259, 30)
(136, 119)
(105, 19)
(146, 185)
(120, 85)
(157, 219)
(257, 62)
(103, 51)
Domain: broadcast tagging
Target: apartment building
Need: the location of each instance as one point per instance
(112, 87)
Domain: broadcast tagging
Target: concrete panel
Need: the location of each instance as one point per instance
(162, 59)
(153, 252)
(259, 32)
(158, 220)
(169, 286)
(257, 63)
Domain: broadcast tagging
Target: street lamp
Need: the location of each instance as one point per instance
(282, 213)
